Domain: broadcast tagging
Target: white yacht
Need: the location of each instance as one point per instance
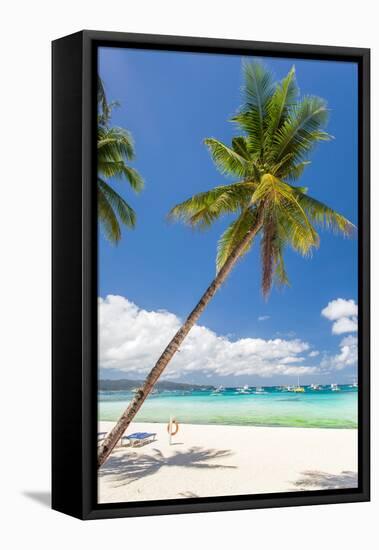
(244, 389)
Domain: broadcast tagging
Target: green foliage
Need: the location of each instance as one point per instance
(203, 209)
(234, 234)
(278, 131)
(114, 148)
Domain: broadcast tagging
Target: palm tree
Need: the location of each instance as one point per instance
(278, 131)
(114, 148)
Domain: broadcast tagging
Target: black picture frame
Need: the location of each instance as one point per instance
(74, 315)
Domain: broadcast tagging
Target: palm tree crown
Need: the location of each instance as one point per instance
(278, 131)
(114, 148)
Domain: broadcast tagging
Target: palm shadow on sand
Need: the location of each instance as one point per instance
(133, 466)
(314, 479)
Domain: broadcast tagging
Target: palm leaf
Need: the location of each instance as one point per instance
(227, 160)
(278, 107)
(280, 200)
(296, 171)
(301, 130)
(322, 214)
(280, 270)
(113, 206)
(240, 146)
(234, 234)
(114, 143)
(203, 209)
(108, 218)
(258, 89)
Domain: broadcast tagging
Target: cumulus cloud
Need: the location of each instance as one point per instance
(314, 353)
(345, 325)
(343, 313)
(131, 339)
(263, 317)
(347, 357)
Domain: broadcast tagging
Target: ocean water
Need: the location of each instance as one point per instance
(273, 407)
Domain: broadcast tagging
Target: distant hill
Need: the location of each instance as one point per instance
(127, 385)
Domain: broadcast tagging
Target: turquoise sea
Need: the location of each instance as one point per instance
(269, 406)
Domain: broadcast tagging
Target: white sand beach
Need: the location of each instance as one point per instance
(207, 460)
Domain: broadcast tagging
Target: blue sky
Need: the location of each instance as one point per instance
(172, 101)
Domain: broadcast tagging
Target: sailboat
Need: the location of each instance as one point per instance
(298, 388)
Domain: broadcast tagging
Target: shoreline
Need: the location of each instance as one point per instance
(215, 424)
(216, 460)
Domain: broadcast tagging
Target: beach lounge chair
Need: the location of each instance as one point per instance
(138, 439)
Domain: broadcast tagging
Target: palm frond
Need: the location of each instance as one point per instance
(296, 171)
(258, 88)
(281, 101)
(203, 209)
(108, 218)
(301, 130)
(120, 207)
(134, 178)
(281, 276)
(234, 234)
(323, 215)
(279, 198)
(114, 143)
(240, 146)
(227, 160)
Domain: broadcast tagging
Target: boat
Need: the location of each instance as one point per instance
(298, 388)
(259, 390)
(218, 390)
(315, 387)
(245, 389)
(335, 387)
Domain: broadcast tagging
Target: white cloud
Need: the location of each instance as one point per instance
(347, 357)
(314, 353)
(343, 313)
(131, 339)
(336, 309)
(345, 325)
(263, 317)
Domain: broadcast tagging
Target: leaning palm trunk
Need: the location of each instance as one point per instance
(114, 435)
